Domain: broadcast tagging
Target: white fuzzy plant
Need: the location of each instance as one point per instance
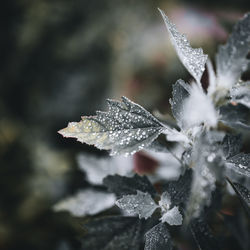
(208, 155)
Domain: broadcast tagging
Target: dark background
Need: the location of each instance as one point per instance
(60, 60)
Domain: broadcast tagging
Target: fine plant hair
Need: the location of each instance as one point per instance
(203, 147)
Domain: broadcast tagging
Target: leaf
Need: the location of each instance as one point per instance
(86, 202)
(242, 192)
(193, 59)
(231, 58)
(121, 185)
(208, 167)
(179, 190)
(98, 168)
(180, 92)
(239, 229)
(124, 129)
(173, 217)
(158, 238)
(203, 235)
(241, 94)
(235, 116)
(231, 145)
(141, 204)
(112, 233)
(239, 164)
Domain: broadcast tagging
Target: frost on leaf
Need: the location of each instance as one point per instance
(124, 129)
(141, 204)
(231, 58)
(242, 192)
(179, 190)
(172, 216)
(235, 116)
(87, 202)
(121, 185)
(203, 235)
(193, 59)
(98, 168)
(240, 93)
(208, 166)
(239, 164)
(111, 233)
(181, 91)
(158, 238)
(231, 145)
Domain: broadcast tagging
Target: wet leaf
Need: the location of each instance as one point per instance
(158, 238)
(124, 129)
(112, 233)
(86, 202)
(193, 59)
(141, 204)
(231, 58)
(121, 185)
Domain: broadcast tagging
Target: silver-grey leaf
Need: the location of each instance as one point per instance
(239, 164)
(231, 58)
(86, 202)
(173, 217)
(158, 238)
(240, 93)
(141, 204)
(181, 91)
(208, 167)
(193, 59)
(124, 129)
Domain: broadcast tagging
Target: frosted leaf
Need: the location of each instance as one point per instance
(86, 202)
(180, 92)
(231, 145)
(203, 235)
(179, 190)
(111, 233)
(158, 238)
(193, 59)
(231, 58)
(165, 201)
(121, 185)
(141, 204)
(98, 168)
(208, 166)
(242, 192)
(198, 109)
(235, 116)
(124, 129)
(240, 93)
(173, 217)
(239, 164)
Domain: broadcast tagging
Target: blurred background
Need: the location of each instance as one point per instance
(61, 59)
